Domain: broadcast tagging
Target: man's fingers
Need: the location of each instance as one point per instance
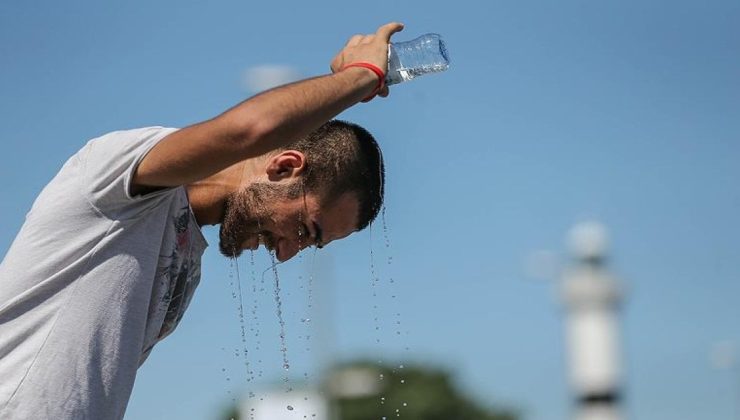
(354, 40)
(385, 31)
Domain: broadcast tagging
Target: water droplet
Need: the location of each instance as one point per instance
(279, 312)
(403, 381)
(404, 404)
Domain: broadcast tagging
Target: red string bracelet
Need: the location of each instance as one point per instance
(375, 69)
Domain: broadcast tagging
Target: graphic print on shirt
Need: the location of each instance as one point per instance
(182, 275)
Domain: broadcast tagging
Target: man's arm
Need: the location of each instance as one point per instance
(267, 121)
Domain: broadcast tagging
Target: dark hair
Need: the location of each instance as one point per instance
(343, 157)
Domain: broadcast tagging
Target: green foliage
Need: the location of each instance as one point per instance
(231, 413)
(424, 394)
(427, 395)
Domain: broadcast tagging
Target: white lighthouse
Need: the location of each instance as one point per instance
(592, 298)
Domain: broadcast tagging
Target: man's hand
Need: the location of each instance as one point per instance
(371, 48)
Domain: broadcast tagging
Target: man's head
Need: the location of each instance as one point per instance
(318, 189)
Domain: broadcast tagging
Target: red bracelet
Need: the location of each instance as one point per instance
(378, 72)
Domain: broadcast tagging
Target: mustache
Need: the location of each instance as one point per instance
(230, 243)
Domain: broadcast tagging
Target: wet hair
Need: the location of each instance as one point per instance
(343, 157)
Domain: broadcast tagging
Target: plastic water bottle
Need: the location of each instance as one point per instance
(410, 59)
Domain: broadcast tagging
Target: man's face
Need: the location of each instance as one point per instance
(283, 219)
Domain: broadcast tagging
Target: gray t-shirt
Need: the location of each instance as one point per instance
(94, 279)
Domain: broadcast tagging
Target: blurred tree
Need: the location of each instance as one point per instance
(418, 394)
(231, 413)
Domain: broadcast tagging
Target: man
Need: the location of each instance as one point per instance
(109, 256)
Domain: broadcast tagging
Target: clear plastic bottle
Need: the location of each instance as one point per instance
(410, 59)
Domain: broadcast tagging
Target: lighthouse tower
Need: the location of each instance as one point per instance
(592, 299)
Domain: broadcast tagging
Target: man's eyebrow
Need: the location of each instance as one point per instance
(319, 236)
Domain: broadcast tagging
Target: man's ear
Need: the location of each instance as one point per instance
(285, 165)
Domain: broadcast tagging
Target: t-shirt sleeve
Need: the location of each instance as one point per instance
(110, 162)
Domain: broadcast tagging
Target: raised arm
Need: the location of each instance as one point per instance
(267, 121)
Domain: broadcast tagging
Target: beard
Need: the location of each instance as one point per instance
(246, 213)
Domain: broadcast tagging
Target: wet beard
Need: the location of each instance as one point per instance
(245, 213)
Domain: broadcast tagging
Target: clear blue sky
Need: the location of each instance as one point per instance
(553, 113)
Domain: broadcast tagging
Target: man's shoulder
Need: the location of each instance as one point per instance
(132, 134)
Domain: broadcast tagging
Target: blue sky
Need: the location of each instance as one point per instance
(552, 113)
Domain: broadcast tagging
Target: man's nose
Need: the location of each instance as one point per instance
(290, 249)
(289, 253)
(295, 247)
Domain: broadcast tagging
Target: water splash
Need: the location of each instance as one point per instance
(242, 325)
(281, 320)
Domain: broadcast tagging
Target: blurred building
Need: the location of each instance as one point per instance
(592, 297)
(279, 404)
